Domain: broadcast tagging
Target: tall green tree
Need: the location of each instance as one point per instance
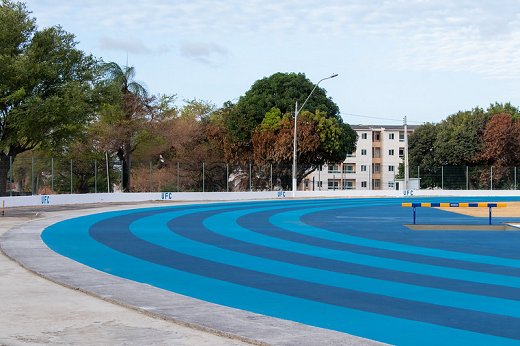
(122, 120)
(259, 128)
(280, 90)
(46, 85)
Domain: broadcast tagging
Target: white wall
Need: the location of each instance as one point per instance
(22, 201)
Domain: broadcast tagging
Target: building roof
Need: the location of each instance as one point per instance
(386, 127)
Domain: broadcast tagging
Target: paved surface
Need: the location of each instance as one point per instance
(105, 310)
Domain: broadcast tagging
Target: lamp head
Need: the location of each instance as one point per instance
(333, 75)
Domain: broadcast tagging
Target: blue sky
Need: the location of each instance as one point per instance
(419, 58)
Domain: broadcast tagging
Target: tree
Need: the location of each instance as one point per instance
(320, 140)
(259, 128)
(122, 122)
(459, 137)
(502, 142)
(46, 85)
(281, 90)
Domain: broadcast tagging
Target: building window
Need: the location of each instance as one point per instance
(376, 152)
(401, 152)
(320, 183)
(376, 168)
(391, 152)
(348, 185)
(363, 168)
(363, 135)
(390, 136)
(351, 155)
(391, 184)
(333, 169)
(363, 151)
(333, 184)
(391, 168)
(376, 137)
(348, 169)
(376, 184)
(401, 137)
(363, 184)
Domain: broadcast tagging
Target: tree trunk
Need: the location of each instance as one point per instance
(4, 171)
(127, 166)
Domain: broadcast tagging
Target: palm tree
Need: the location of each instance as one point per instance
(132, 98)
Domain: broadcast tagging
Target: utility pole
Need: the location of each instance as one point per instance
(406, 171)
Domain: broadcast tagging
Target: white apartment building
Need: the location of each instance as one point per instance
(373, 166)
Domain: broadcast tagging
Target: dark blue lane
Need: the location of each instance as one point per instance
(259, 222)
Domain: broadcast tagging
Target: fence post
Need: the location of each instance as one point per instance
(52, 175)
(271, 179)
(203, 177)
(250, 180)
(150, 176)
(177, 176)
(95, 175)
(10, 176)
(32, 176)
(491, 178)
(319, 177)
(442, 177)
(71, 176)
(467, 178)
(122, 169)
(108, 175)
(227, 177)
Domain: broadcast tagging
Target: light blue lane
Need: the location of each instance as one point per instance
(153, 229)
(70, 238)
(225, 224)
(290, 220)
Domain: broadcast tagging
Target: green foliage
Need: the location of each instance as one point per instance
(46, 85)
(272, 120)
(281, 90)
(462, 139)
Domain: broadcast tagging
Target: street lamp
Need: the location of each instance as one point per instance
(294, 183)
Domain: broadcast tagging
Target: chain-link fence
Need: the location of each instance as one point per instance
(45, 176)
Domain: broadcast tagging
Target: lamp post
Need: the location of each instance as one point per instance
(296, 111)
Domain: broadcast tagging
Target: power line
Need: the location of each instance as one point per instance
(378, 118)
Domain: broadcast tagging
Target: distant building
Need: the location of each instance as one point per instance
(373, 166)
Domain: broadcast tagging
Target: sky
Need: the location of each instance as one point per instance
(419, 59)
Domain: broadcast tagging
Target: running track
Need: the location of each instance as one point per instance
(347, 265)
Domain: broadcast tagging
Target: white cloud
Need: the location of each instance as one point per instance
(134, 45)
(207, 53)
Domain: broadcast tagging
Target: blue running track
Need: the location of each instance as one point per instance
(342, 264)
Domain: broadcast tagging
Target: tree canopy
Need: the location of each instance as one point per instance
(280, 90)
(46, 85)
(467, 138)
